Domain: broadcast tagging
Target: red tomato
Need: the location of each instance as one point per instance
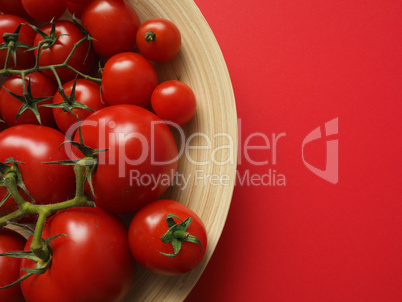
(41, 86)
(45, 10)
(128, 78)
(25, 59)
(114, 25)
(59, 51)
(13, 7)
(141, 159)
(158, 39)
(80, 1)
(10, 241)
(92, 263)
(33, 145)
(147, 228)
(174, 101)
(87, 93)
(75, 8)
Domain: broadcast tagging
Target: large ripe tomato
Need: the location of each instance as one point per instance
(87, 93)
(41, 86)
(13, 7)
(149, 225)
(141, 159)
(174, 101)
(92, 263)
(113, 24)
(158, 39)
(33, 145)
(128, 78)
(10, 241)
(59, 51)
(25, 59)
(44, 10)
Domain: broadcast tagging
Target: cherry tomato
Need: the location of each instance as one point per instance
(92, 263)
(174, 101)
(158, 39)
(13, 7)
(113, 24)
(25, 59)
(33, 145)
(44, 10)
(128, 78)
(40, 87)
(149, 225)
(10, 241)
(59, 51)
(141, 159)
(87, 93)
(83, 2)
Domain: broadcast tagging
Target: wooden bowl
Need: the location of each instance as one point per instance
(211, 169)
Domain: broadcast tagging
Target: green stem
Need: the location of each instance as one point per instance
(9, 50)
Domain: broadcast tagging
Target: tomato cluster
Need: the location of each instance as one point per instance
(84, 117)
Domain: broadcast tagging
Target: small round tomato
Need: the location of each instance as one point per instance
(128, 78)
(35, 145)
(69, 34)
(148, 231)
(91, 263)
(158, 39)
(86, 93)
(25, 59)
(44, 10)
(40, 87)
(174, 101)
(141, 158)
(10, 241)
(13, 7)
(113, 24)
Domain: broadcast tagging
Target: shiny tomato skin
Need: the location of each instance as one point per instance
(149, 224)
(44, 10)
(41, 86)
(13, 7)
(174, 101)
(128, 78)
(138, 143)
(10, 241)
(167, 41)
(58, 52)
(92, 263)
(113, 24)
(33, 145)
(87, 93)
(25, 59)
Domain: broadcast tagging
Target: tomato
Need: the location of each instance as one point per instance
(174, 101)
(141, 159)
(158, 39)
(92, 263)
(25, 59)
(113, 24)
(83, 2)
(59, 51)
(87, 93)
(44, 10)
(128, 78)
(13, 7)
(41, 87)
(10, 241)
(75, 8)
(149, 225)
(33, 145)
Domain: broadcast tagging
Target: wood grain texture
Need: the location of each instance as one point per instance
(199, 64)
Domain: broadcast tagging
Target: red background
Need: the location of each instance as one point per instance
(294, 65)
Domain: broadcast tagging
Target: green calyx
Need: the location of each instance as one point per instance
(150, 36)
(11, 43)
(177, 234)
